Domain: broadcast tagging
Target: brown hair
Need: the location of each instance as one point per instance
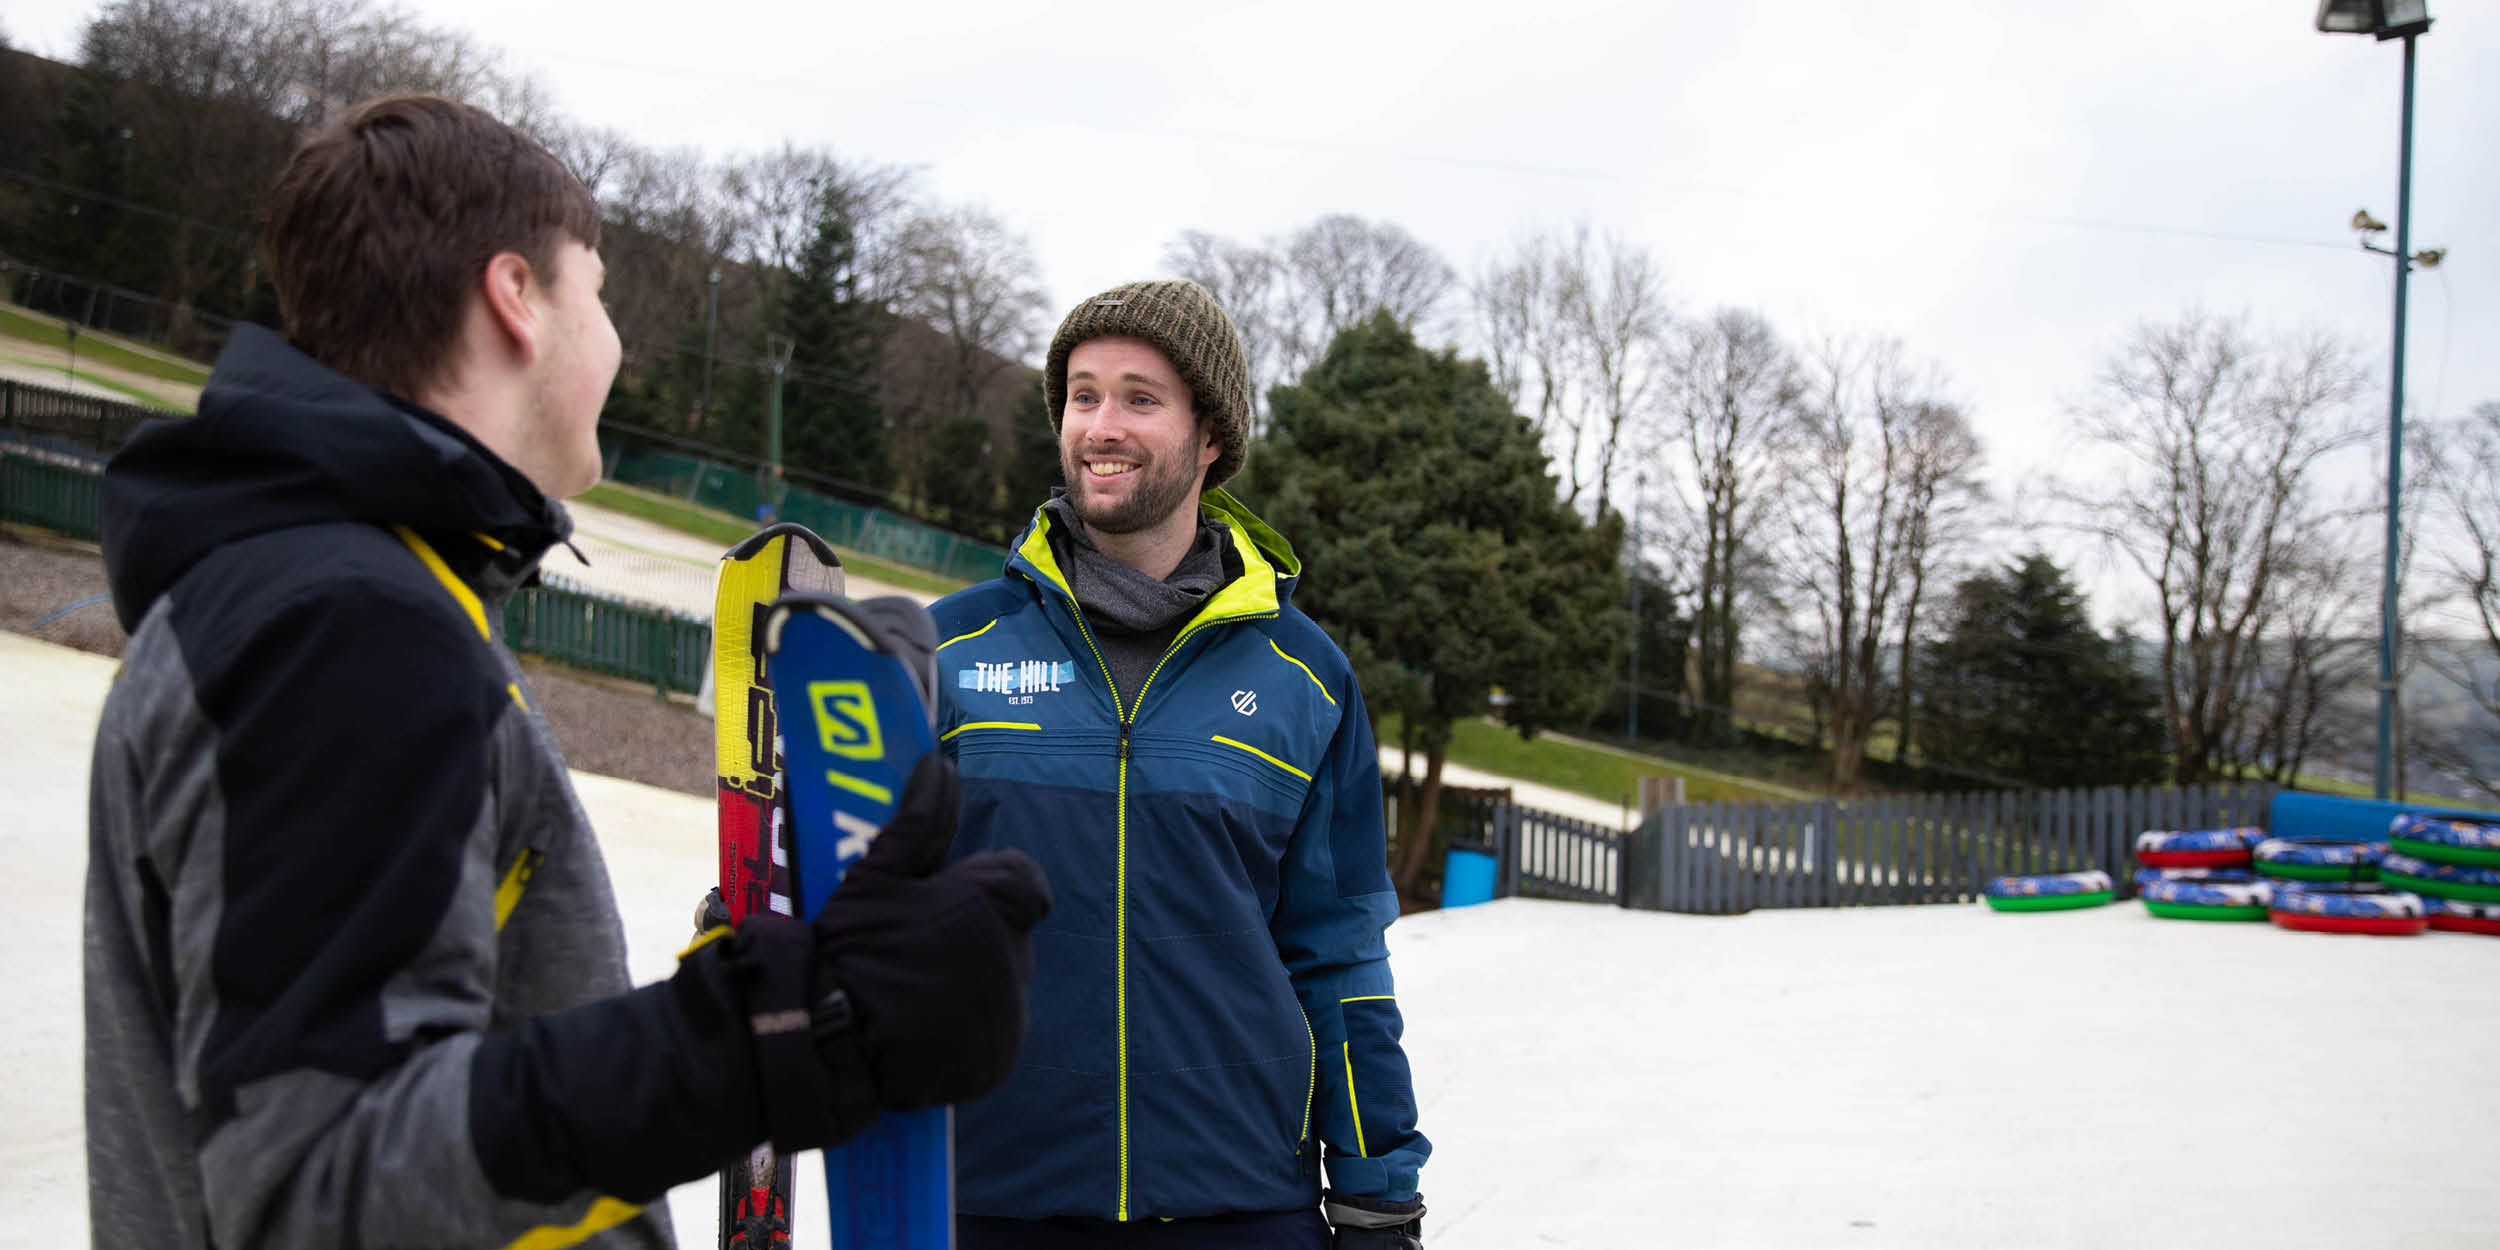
(384, 219)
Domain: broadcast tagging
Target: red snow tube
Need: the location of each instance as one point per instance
(2197, 848)
(2347, 908)
(2460, 916)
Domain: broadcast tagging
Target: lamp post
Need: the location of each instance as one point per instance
(2385, 20)
(1632, 701)
(711, 322)
(781, 348)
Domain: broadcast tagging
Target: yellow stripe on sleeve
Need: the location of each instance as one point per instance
(605, 1214)
(1360, 1150)
(508, 894)
(1306, 671)
(965, 637)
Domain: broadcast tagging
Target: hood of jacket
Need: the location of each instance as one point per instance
(282, 440)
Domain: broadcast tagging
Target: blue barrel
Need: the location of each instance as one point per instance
(1466, 877)
(2300, 816)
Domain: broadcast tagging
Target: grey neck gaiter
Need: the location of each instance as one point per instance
(1135, 617)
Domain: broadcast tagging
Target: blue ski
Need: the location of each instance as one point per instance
(856, 684)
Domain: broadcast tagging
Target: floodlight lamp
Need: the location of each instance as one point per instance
(2429, 257)
(2387, 19)
(2364, 223)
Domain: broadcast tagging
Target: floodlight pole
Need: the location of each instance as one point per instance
(1632, 699)
(2387, 626)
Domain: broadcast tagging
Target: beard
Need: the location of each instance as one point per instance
(1156, 489)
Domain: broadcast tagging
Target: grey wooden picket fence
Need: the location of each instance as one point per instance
(1721, 858)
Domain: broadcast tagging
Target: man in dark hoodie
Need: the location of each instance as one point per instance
(354, 970)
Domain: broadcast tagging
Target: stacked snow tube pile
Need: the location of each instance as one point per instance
(2440, 855)
(2064, 891)
(2453, 863)
(2321, 860)
(2199, 874)
(2347, 907)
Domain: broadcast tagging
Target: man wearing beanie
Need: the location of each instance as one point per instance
(1138, 705)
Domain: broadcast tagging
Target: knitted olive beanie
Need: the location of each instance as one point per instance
(1179, 319)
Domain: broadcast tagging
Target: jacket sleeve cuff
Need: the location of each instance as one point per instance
(1394, 1177)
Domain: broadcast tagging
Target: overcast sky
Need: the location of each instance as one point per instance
(2007, 188)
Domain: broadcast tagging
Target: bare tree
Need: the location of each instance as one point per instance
(1580, 324)
(1621, 319)
(1248, 283)
(594, 153)
(769, 201)
(973, 280)
(1522, 303)
(1940, 459)
(1341, 269)
(205, 97)
(1291, 295)
(1847, 522)
(2462, 467)
(1730, 418)
(2313, 654)
(2218, 437)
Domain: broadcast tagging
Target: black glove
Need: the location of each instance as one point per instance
(909, 988)
(1360, 1223)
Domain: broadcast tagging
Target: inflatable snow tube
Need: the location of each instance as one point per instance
(2064, 891)
(2348, 909)
(2445, 840)
(2196, 848)
(2210, 899)
(2320, 861)
(2147, 876)
(2459, 916)
(2457, 881)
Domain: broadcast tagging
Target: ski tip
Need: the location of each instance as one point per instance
(890, 625)
(754, 542)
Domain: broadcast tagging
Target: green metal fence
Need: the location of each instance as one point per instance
(51, 492)
(873, 531)
(604, 635)
(586, 630)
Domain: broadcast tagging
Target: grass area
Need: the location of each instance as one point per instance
(103, 348)
(726, 530)
(1600, 772)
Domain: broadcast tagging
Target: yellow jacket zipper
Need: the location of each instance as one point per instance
(1127, 714)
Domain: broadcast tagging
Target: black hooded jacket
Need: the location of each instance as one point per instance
(354, 970)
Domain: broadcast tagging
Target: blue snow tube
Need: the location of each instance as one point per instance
(2208, 899)
(2196, 848)
(2147, 876)
(2447, 840)
(2457, 881)
(2062, 891)
(2347, 908)
(2320, 861)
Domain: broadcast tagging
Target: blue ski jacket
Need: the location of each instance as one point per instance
(1211, 992)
